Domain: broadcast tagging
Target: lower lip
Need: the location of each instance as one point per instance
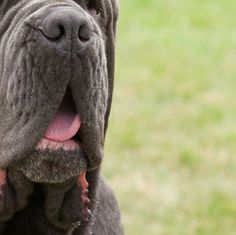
(47, 144)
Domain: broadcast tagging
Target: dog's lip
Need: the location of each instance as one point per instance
(54, 162)
(48, 144)
(53, 166)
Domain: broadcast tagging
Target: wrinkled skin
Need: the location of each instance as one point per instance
(35, 74)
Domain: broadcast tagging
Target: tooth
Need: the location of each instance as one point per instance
(89, 213)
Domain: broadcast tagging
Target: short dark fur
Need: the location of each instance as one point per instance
(35, 74)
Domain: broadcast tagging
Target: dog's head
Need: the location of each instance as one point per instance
(56, 82)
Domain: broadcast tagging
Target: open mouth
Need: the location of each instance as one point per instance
(58, 155)
(63, 130)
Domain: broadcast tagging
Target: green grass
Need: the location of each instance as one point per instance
(171, 144)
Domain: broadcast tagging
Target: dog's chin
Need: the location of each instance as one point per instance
(54, 162)
(59, 169)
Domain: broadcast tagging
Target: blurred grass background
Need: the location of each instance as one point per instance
(171, 144)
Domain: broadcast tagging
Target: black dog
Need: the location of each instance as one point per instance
(56, 82)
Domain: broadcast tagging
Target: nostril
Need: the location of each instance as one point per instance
(84, 33)
(62, 30)
(53, 32)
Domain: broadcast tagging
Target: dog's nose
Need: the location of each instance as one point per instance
(67, 28)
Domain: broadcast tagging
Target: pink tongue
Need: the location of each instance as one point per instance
(63, 127)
